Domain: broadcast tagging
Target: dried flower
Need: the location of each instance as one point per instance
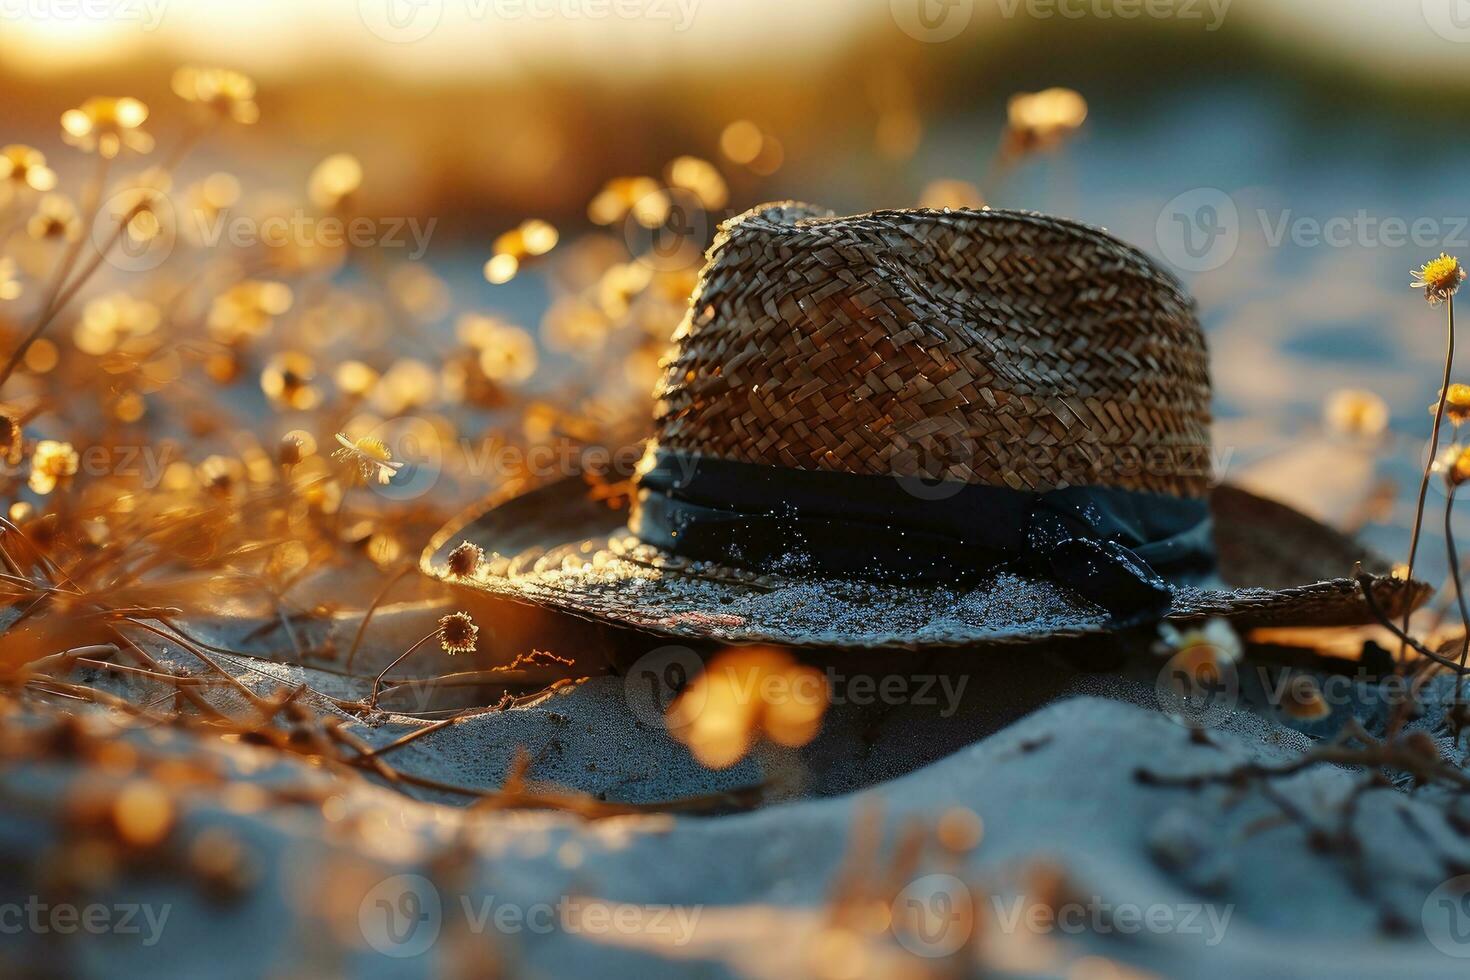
(108, 126)
(1043, 120)
(111, 321)
(1214, 643)
(700, 178)
(408, 384)
(220, 475)
(642, 197)
(247, 310)
(1303, 700)
(55, 220)
(287, 379)
(1453, 464)
(1355, 413)
(370, 455)
(334, 179)
(458, 633)
(1456, 404)
(464, 560)
(355, 378)
(141, 200)
(290, 451)
(24, 168)
(745, 693)
(229, 94)
(1439, 278)
(52, 462)
(506, 353)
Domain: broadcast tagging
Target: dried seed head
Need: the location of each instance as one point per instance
(464, 560)
(458, 633)
(289, 451)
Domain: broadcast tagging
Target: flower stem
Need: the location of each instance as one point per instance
(1444, 390)
(1454, 558)
(372, 701)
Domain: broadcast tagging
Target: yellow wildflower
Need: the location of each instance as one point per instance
(24, 168)
(1439, 278)
(55, 220)
(108, 126)
(230, 94)
(287, 379)
(370, 455)
(52, 462)
(1042, 120)
(335, 179)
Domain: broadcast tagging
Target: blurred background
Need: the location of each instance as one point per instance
(1292, 160)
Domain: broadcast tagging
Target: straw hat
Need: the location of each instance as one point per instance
(923, 428)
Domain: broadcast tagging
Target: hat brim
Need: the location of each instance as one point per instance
(556, 546)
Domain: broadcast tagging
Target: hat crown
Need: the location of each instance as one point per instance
(999, 348)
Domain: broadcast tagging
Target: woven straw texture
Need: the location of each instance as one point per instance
(991, 347)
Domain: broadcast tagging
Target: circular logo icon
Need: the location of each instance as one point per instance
(401, 916)
(932, 21)
(1450, 19)
(667, 229)
(656, 679)
(401, 21)
(1199, 230)
(927, 449)
(415, 444)
(933, 916)
(1446, 917)
(135, 230)
(1199, 685)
